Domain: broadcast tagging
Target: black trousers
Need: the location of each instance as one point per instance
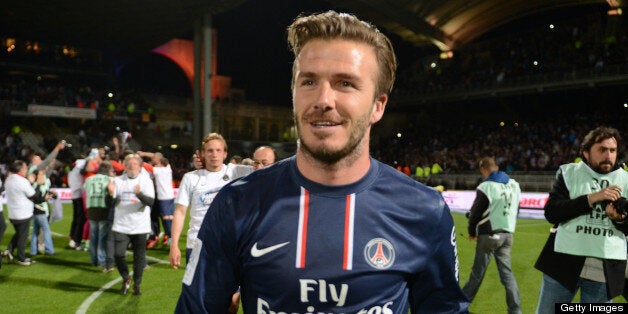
(121, 242)
(78, 220)
(3, 225)
(19, 238)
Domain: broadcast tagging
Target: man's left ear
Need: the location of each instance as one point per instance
(378, 108)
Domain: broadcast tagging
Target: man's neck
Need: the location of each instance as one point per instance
(345, 171)
(214, 169)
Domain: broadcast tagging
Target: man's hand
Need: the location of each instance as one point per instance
(60, 146)
(613, 214)
(196, 159)
(611, 193)
(175, 256)
(235, 303)
(472, 238)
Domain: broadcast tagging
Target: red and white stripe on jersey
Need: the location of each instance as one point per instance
(347, 261)
(304, 207)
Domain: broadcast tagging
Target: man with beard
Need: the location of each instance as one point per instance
(586, 248)
(330, 229)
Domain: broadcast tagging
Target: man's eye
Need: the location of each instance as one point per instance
(307, 83)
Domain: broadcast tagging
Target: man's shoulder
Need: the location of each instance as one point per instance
(15, 179)
(237, 171)
(386, 172)
(406, 188)
(194, 173)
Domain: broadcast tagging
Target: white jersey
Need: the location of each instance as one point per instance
(75, 178)
(18, 190)
(198, 189)
(131, 216)
(163, 182)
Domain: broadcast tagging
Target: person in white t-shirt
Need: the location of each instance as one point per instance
(197, 190)
(133, 195)
(164, 206)
(21, 197)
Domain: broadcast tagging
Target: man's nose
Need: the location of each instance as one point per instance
(325, 97)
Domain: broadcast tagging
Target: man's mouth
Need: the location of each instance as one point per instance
(324, 123)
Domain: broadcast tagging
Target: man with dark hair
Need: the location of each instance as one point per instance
(586, 248)
(492, 221)
(330, 230)
(21, 199)
(98, 205)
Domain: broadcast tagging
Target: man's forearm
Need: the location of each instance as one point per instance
(177, 224)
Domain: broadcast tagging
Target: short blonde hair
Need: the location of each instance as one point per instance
(214, 136)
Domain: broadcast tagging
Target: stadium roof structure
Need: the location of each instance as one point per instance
(450, 24)
(143, 25)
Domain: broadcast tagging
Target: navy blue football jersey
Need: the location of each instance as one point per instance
(383, 244)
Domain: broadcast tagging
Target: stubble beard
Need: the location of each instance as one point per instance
(350, 152)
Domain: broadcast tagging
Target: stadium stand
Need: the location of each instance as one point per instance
(590, 48)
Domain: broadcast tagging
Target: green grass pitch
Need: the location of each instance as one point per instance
(68, 283)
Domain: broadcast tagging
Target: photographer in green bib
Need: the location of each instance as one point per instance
(492, 221)
(586, 248)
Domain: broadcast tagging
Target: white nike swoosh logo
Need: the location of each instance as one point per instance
(255, 252)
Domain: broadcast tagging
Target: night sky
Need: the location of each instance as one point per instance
(252, 50)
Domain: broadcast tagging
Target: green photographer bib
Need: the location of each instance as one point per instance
(593, 234)
(503, 203)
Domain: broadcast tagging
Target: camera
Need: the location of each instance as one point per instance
(621, 205)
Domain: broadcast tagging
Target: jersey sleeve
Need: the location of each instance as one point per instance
(210, 277)
(28, 189)
(183, 197)
(444, 294)
(242, 170)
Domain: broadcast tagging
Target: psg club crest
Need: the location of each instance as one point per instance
(379, 253)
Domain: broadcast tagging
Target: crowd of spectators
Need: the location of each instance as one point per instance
(542, 144)
(533, 146)
(592, 42)
(584, 45)
(52, 92)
